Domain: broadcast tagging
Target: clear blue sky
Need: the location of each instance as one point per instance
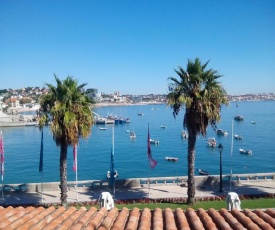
(133, 46)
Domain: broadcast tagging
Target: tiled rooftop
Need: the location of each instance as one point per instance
(157, 219)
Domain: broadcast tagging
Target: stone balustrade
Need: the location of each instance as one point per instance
(137, 182)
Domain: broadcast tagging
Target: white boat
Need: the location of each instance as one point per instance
(243, 151)
(184, 134)
(163, 126)
(211, 142)
(132, 135)
(100, 120)
(238, 137)
(102, 128)
(239, 117)
(127, 120)
(202, 172)
(109, 174)
(152, 141)
(173, 159)
(221, 132)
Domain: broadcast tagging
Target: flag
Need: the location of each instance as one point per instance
(41, 153)
(75, 158)
(2, 156)
(152, 162)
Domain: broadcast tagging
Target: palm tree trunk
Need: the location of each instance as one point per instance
(191, 190)
(63, 174)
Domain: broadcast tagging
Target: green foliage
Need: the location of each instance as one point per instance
(25, 100)
(67, 108)
(198, 90)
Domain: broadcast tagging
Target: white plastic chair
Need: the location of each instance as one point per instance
(106, 200)
(233, 201)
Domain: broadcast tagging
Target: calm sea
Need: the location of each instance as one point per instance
(22, 145)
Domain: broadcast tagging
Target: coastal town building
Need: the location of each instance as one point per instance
(29, 97)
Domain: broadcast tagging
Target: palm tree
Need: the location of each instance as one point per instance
(67, 107)
(202, 95)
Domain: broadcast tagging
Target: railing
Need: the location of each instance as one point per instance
(135, 182)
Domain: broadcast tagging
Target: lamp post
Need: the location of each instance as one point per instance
(220, 147)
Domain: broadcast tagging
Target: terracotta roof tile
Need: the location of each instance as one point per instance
(133, 219)
(24, 216)
(206, 219)
(244, 220)
(47, 218)
(169, 219)
(266, 217)
(59, 218)
(84, 219)
(181, 219)
(271, 212)
(256, 219)
(121, 219)
(10, 216)
(157, 219)
(97, 219)
(231, 220)
(67, 223)
(218, 219)
(109, 219)
(194, 220)
(36, 217)
(145, 219)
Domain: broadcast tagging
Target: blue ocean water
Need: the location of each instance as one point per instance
(22, 145)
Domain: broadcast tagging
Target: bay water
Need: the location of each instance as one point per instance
(22, 145)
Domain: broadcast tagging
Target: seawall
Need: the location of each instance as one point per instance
(140, 182)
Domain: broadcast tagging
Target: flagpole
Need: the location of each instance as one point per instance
(149, 181)
(42, 187)
(76, 183)
(149, 166)
(2, 164)
(113, 152)
(41, 164)
(231, 156)
(152, 162)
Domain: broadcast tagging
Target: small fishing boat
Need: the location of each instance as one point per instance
(221, 132)
(238, 137)
(132, 135)
(211, 142)
(140, 114)
(243, 151)
(253, 122)
(173, 159)
(202, 172)
(163, 126)
(239, 117)
(152, 141)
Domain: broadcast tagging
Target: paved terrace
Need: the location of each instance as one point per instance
(138, 188)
